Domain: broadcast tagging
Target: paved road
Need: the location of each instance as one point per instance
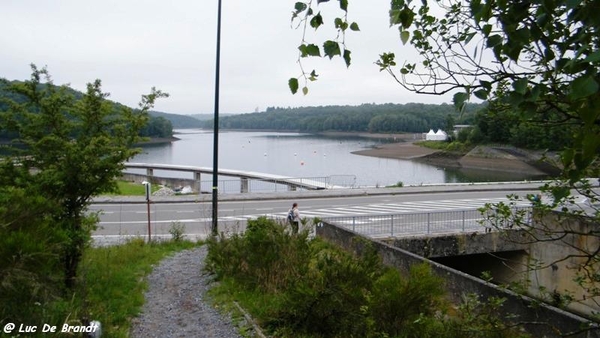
(122, 218)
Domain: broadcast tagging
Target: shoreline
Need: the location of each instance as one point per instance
(481, 158)
(401, 147)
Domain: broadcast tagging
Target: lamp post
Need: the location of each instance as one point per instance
(215, 185)
(148, 187)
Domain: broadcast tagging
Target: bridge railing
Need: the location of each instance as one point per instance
(199, 179)
(409, 224)
(273, 185)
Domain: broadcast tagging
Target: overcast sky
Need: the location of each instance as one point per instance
(132, 45)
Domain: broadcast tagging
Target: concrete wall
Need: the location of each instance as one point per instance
(456, 244)
(458, 284)
(576, 239)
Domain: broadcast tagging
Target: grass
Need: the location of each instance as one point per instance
(454, 146)
(113, 281)
(133, 189)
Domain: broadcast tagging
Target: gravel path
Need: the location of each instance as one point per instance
(176, 304)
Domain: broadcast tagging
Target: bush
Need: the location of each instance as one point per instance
(31, 273)
(329, 299)
(296, 287)
(400, 304)
(177, 231)
(264, 257)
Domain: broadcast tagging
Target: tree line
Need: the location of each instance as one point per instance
(487, 125)
(375, 118)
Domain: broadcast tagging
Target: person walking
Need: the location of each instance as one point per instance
(294, 218)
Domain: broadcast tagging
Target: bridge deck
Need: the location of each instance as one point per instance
(306, 183)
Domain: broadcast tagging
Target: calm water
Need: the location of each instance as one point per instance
(304, 155)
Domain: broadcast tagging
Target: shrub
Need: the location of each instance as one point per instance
(400, 304)
(31, 274)
(264, 257)
(328, 300)
(177, 231)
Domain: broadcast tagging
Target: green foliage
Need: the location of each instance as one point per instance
(455, 146)
(177, 231)
(177, 121)
(30, 247)
(400, 184)
(264, 257)
(383, 118)
(296, 287)
(479, 319)
(68, 150)
(542, 74)
(399, 304)
(111, 287)
(156, 127)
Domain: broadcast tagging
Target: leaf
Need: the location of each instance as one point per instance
(338, 22)
(347, 57)
(344, 5)
(331, 48)
(313, 50)
(494, 40)
(486, 84)
(397, 4)
(406, 17)
(469, 37)
(481, 94)
(300, 7)
(404, 35)
(293, 84)
(394, 17)
(487, 29)
(595, 56)
(316, 21)
(354, 27)
(304, 90)
(459, 100)
(583, 87)
(313, 76)
(520, 86)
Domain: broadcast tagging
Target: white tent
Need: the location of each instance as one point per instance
(440, 135)
(430, 135)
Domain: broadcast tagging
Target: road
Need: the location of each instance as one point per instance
(118, 221)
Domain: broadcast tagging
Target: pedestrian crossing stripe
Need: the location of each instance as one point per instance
(388, 208)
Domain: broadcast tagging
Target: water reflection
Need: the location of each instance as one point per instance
(305, 155)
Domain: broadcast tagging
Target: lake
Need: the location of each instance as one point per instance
(306, 156)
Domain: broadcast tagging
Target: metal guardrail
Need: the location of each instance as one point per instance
(410, 224)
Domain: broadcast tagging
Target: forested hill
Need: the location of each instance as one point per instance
(376, 118)
(158, 126)
(179, 121)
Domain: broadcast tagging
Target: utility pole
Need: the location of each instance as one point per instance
(215, 185)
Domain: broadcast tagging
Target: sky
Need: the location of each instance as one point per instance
(133, 45)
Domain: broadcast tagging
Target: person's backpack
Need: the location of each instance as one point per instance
(290, 216)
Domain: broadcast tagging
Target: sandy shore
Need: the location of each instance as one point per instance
(400, 150)
(483, 158)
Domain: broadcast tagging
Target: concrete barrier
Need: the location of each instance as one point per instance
(538, 319)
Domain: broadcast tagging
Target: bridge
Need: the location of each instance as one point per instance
(245, 177)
